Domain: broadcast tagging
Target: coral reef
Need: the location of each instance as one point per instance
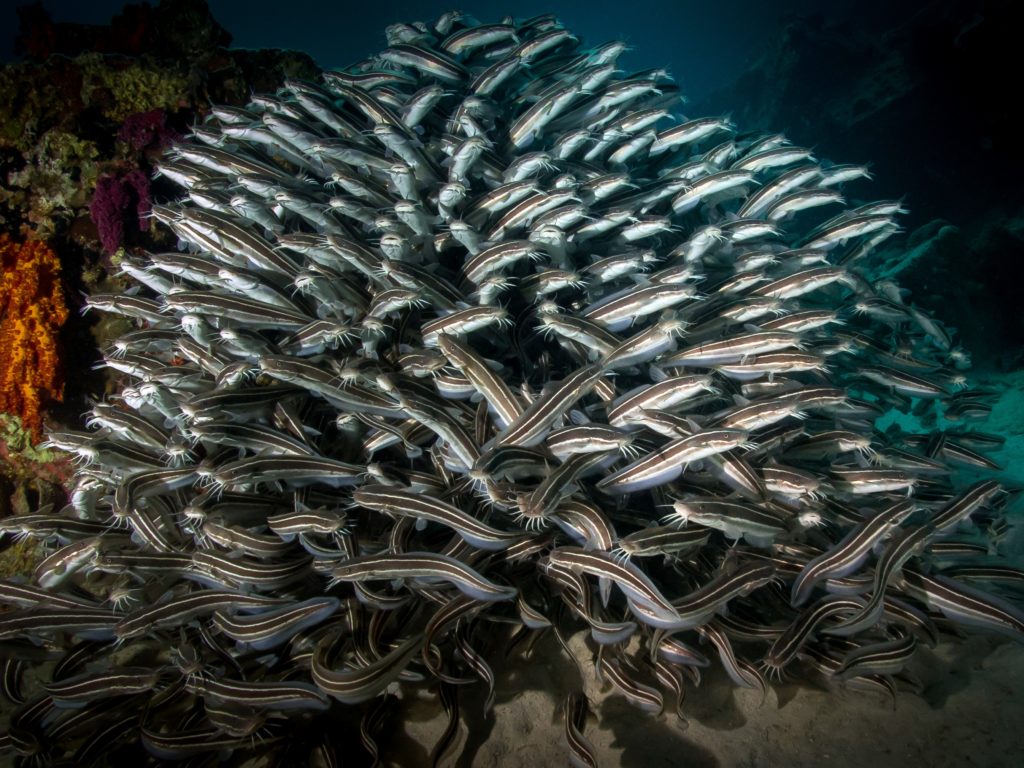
(147, 130)
(94, 100)
(71, 121)
(52, 183)
(121, 87)
(86, 112)
(32, 310)
(31, 475)
(32, 478)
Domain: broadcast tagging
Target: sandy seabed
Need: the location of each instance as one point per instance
(970, 712)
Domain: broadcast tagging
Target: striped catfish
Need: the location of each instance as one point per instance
(183, 608)
(662, 540)
(615, 670)
(397, 502)
(698, 607)
(883, 658)
(359, 684)
(734, 350)
(786, 647)
(740, 671)
(271, 628)
(422, 565)
(490, 386)
(851, 552)
(88, 623)
(759, 525)
(964, 604)
(667, 463)
(630, 579)
(905, 543)
(79, 690)
(535, 422)
(581, 751)
(261, 694)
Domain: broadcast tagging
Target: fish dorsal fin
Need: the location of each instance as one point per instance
(578, 417)
(657, 374)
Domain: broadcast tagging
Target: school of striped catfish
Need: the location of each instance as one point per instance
(480, 341)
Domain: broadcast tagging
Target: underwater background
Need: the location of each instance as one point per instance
(922, 94)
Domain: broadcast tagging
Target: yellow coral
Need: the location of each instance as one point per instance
(32, 310)
(132, 85)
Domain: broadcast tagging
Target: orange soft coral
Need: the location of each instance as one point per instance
(32, 310)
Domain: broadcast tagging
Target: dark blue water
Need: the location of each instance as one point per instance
(705, 44)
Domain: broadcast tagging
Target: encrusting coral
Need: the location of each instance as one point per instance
(147, 130)
(32, 310)
(50, 182)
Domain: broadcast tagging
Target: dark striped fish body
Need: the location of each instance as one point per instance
(530, 428)
(849, 553)
(667, 464)
(402, 503)
(423, 565)
(353, 686)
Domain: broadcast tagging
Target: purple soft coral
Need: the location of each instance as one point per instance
(139, 182)
(145, 130)
(113, 198)
(109, 203)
